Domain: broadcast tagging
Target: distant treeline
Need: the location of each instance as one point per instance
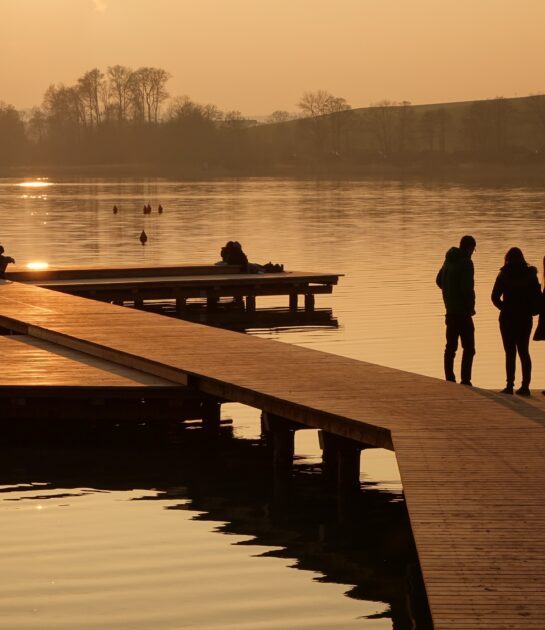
(126, 116)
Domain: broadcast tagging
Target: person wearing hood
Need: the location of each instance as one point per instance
(517, 294)
(456, 281)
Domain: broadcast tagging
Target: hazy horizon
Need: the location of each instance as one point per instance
(258, 57)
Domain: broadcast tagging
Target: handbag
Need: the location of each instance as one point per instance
(539, 334)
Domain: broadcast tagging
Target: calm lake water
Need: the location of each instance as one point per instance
(146, 537)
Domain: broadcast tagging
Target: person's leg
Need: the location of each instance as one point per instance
(452, 334)
(524, 330)
(510, 346)
(467, 336)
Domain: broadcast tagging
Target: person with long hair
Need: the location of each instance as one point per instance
(517, 294)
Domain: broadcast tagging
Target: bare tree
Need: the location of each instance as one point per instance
(233, 119)
(63, 106)
(321, 103)
(158, 80)
(148, 92)
(279, 116)
(91, 86)
(120, 78)
(324, 117)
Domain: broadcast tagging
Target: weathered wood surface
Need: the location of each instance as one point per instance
(179, 283)
(37, 276)
(30, 363)
(471, 462)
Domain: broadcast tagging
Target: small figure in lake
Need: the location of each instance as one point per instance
(160, 209)
(517, 294)
(456, 280)
(4, 262)
(115, 210)
(143, 237)
(147, 209)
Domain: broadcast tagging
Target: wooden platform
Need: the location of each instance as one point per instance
(471, 461)
(43, 381)
(128, 284)
(34, 363)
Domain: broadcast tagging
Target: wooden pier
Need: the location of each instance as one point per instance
(471, 461)
(181, 283)
(50, 383)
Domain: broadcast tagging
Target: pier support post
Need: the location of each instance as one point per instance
(293, 301)
(309, 302)
(212, 302)
(341, 460)
(180, 304)
(211, 413)
(250, 303)
(280, 435)
(138, 302)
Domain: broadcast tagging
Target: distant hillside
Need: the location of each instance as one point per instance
(495, 129)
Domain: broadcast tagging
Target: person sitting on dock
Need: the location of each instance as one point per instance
(456, 280)
(232, 254)
(4, 262)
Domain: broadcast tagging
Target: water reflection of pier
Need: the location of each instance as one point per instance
(239, 319)
(372, 552)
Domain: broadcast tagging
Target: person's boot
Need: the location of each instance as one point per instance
(449, 368)
(524, 390)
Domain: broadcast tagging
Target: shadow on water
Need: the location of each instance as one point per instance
(368, 547)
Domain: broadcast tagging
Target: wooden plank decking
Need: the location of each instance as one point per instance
(179, 283)
(471, 462)
(31, 362)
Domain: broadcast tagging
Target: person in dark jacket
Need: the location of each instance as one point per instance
(517, 294)
(456, 280)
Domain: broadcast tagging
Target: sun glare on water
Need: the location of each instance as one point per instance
(37, 183)
(37, 266)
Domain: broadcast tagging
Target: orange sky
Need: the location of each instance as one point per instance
(260, 55)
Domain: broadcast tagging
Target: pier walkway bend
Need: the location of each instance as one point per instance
(472, 463)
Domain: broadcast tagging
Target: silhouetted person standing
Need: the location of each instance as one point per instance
(517, 294)
(456, 280)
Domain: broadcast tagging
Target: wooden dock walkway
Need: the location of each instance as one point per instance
(43, 381)
(471, 461)
(180, 283)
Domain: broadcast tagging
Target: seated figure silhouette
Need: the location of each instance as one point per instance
(4, 262)
(232, 254)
